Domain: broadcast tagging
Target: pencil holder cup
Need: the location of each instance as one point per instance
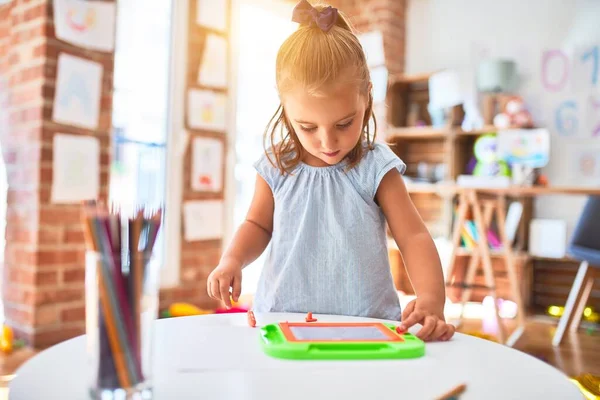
(121, 307)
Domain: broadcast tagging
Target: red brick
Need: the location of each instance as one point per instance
(39, 50)
(74, 275)
(47, 315)
(74, 236)
(46, 174)
(53, 214)
(50, 235)
(46, 278)
(35, 12)
(22, 258)
(58, 295)
(198, 246)
(18, 294)
(60, 257)
(73, 314)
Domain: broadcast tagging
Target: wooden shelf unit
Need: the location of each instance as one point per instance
(451, 147)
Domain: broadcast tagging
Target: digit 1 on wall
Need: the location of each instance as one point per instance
(594, 55)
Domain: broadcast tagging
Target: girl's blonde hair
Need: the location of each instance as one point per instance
(315, 59)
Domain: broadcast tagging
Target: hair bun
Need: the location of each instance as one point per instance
(323, 17)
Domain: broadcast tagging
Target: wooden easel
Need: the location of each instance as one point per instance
(483, 212)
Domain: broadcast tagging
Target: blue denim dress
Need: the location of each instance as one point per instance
(328, 252)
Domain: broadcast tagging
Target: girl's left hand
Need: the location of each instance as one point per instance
(424, 312)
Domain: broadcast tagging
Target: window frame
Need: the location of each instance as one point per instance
(176, 144)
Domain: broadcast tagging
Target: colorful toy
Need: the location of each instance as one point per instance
(514, 115)
(339, 341)
(231, 310)
(482, 335)
(184, 310)
(6, 341)
(488, 163)
(309, 318)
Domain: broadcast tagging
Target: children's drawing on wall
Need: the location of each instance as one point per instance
(207, 164)
(75, 168)
(585, 165)
(213, 67)
(206, 110)
(77, 98)
(203, 220)
(89, 24)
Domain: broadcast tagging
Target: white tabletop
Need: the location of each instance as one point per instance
(219, 357)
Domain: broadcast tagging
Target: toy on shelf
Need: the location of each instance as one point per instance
(514, 115)
(341, 341)
(488, 163)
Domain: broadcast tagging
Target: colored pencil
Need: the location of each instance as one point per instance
(124, 250)
(453, 393)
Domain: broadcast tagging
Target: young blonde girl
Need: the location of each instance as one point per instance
(325, 191)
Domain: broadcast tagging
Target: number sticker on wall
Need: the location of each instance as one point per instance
(555, 70)
(592, 55)
(565, 118)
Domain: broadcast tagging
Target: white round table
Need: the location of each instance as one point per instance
(219, 357)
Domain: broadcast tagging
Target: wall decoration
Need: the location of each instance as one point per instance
(89, 24)
(207, 164)
(78, 89)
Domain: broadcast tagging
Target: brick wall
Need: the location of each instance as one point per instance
(388, 17)
(43, 274)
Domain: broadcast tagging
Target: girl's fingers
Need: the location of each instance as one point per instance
(408, 310)
(208, 288)
(410, 320)
(429, 324)
(448, 335)
(237, 287)
(439, 331)
(224, 291)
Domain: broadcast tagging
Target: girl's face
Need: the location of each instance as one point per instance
(328, 126)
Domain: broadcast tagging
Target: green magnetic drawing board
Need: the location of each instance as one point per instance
(338, 341)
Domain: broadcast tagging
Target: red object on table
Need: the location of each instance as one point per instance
(251, 319)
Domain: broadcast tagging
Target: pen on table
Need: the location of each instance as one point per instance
(453, 393)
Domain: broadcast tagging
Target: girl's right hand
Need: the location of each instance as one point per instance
(228, 274)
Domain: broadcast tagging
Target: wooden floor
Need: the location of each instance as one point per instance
(579, 353)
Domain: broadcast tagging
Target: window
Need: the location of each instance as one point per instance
(261, 27)
(141, 119)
